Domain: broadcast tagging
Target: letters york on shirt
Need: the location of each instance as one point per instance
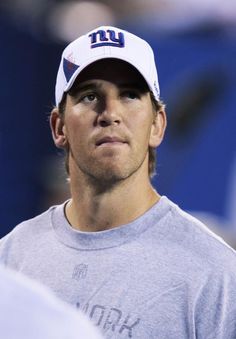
(107, 38)
(111, 319)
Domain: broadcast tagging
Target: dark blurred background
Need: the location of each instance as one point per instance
(195, 49)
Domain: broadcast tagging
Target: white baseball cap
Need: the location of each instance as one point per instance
(101, 43)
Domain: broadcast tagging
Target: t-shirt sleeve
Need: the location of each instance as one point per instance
(215, 308)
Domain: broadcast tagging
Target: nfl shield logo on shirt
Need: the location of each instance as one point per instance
(80, 272)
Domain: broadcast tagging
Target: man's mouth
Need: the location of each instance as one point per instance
(109, 140)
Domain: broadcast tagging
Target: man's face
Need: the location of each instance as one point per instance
(108, 122)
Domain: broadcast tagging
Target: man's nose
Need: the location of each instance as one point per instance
(110, 113)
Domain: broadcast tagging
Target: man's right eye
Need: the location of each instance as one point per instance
(88, 98)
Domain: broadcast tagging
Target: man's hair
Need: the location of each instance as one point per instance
(157, 107)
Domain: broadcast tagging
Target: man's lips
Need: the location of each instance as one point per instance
(110, 140)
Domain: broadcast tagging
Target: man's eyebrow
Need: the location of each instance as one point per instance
(84, 87)
(135, 85)
(142, 87)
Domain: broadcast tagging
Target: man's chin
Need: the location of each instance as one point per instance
(109, 177)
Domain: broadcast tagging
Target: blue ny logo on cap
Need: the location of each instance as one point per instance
(107, 38)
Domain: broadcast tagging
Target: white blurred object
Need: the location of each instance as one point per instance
(72, 19)
(172, 14)
(30, 311)
(65, 20)
(190, 7)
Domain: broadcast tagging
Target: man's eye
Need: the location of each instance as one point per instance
(130, 95)
(89, 98)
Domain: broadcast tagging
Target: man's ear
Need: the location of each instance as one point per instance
(58, 129)
(158, 129)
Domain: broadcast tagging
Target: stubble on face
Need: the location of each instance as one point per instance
(105, 172)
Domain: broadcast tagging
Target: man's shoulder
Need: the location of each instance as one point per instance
(24, 234)
(188, 238)
(37, 223)
(198, 240)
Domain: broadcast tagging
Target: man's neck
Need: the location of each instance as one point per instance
(91, 209)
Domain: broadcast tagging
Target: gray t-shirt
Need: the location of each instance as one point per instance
(164, 275)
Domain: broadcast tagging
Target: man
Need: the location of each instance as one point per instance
(131, 259)
(30, 311)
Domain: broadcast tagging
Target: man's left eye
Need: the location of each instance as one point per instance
(130, 95)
